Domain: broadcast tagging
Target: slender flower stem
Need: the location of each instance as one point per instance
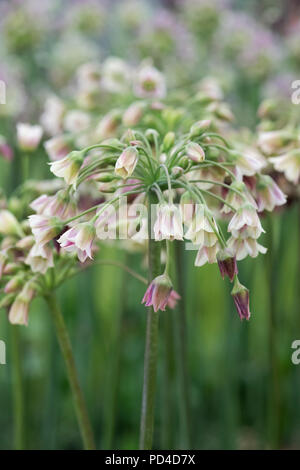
(66, 349)
(18, 395)
(151, 350)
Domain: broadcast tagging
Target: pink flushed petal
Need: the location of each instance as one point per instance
(147, 299)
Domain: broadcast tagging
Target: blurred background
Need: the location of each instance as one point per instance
(241, 388)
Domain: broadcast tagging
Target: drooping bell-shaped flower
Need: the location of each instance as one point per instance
(268, 194)
(168, 224)
(126, 162)
(158, 293)
(18, 313)
(69, 167)
(44, 228)
(289, 164)
(79, 239)
(40, 258)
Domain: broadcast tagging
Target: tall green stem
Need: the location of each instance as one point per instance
(151, 349)
(180, 330)
(66, 349)
(18, 400)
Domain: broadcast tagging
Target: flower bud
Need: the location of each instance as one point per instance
(240, 296)
(195, 152)
(14, 284)
(18, 314)
(168, 141)
(199, 127)
(227, 264)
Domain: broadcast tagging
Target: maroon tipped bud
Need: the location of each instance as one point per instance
(227, 264)
(240, 296)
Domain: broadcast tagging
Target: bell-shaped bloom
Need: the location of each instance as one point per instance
(271, 142)
(206, 254)
(79, 239)
(18, 313)
(150, 83)
(52, 117)
(60, 205)
(247, 161)
(289, 164)
(240, 296)
(14, 284)
(195, 152)
(158, 293)
(237, 200)
(57, 147)
(28, 136)
(126, 162)
(168, 224)
(40, 258)
(44, 228)
(245, 222)
(268, 194)
(9, 224)
(69, 167)
(243, 247)
(203, 229)
(108, 125)
(227, 264)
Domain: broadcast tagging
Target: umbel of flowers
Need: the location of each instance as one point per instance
(174, 174)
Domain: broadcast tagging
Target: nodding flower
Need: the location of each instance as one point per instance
(159, 293)
(227, 264)
(18, 313)
(79, 239)
(68, 167)
(168, 224)
(126, 162)
(44, 228)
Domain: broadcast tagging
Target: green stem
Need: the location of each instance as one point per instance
(66, 349)
(151, 349)
(18, 398)
(180, 332)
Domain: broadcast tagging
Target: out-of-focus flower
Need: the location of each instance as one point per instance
(6, 150)
(158, 293)
(272, 142)
(9, 224)
(268, 194)
(108, 125)
(126, 162)
(76, 121)
(18, 313)
(133, 114)
(60, 205)
(79, 239)
(28, 136)
(149, 83)
(52, 117)
(289, 164)
(57, 147)
(40, 258)
(116, 75)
